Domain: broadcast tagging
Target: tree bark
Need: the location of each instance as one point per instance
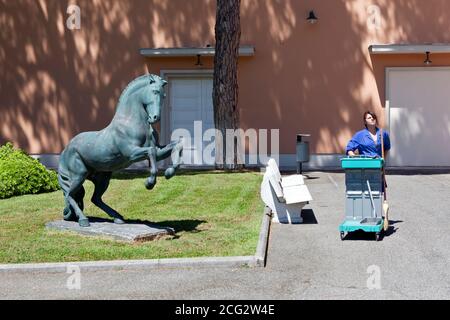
(225, 85)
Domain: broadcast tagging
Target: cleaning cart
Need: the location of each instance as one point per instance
(364, 195)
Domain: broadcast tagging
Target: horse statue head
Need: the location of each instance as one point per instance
(152, 97)
(129, 138)
(146, 91)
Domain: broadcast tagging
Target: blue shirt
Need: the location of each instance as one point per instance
(363, 142)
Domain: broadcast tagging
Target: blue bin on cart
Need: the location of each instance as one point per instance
(364, 195)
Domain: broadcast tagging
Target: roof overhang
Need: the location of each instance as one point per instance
(409, 48)
(190, 52)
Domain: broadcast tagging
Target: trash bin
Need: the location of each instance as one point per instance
(302, 151)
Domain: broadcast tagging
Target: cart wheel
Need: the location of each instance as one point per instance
(342, 235)
(377, 236)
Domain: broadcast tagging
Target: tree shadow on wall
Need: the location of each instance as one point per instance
(58, 82)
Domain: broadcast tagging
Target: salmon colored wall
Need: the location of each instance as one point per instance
(57, 82)
(315, 79)
(319, 79)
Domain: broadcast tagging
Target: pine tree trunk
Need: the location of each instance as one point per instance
(225, 86)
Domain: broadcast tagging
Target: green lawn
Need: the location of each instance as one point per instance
(213, 214)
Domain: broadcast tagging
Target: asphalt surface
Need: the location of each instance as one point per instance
(306, 261)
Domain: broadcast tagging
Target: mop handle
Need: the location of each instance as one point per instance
(382, 155)
(371, 199)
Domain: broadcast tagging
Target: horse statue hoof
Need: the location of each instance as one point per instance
(119, 221)
(169, 173)
(84, 222)
(149, 185)
(69, 215)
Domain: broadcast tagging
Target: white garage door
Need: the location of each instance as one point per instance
(419, 116)
(191, 108)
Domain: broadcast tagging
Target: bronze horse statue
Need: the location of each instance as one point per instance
(129, 138)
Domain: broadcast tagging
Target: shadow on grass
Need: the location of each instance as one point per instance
(182, 225)
(177, 225)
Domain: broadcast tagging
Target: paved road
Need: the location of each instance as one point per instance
(306, 261)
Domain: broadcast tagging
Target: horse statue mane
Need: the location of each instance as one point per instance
(129, 138)
(136, 84)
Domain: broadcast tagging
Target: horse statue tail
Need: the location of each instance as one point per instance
(65, 181)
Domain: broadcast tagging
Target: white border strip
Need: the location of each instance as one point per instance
(261, 249)
(121, 264)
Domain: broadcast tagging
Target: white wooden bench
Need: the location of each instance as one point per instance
(285, 196)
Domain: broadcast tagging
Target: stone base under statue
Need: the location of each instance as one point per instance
(130, 231)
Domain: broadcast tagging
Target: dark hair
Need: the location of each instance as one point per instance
(372, 114)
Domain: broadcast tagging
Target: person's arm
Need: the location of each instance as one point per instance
(352, 146)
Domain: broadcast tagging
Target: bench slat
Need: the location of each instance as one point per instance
(296, 194)
(293, 180)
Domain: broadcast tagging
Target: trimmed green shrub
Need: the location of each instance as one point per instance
(22, 174)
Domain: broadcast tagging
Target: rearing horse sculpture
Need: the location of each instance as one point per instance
(127, 139)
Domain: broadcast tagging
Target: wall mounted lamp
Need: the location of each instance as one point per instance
(312, 17)
(427, 60)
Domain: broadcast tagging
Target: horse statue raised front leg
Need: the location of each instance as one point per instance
(127, 139)
(173, 149)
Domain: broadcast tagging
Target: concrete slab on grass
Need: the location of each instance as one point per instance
(134, 232)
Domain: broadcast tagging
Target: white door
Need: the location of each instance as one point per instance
(419, 116)
(191, 109)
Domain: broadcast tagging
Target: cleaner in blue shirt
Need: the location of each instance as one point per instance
(367, 142)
